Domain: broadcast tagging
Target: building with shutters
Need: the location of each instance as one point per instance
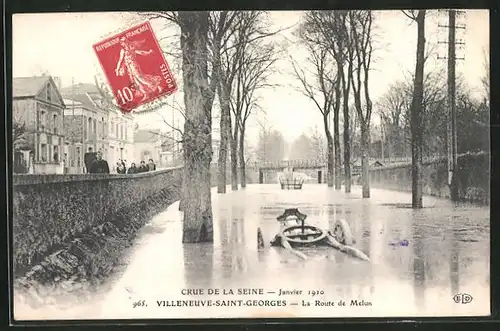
(106, 128)
(38, 113)
(85, 130)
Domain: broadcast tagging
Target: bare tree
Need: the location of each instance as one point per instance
(305, 147)
(197, 137)
(392, 108)
(254, 69)
(18, 131)
(233, 50)
(221, 29)
(361, 23)
(318, 148)
(271, 145)
(248, 28)
(323, 90)
(416, 109)
(485, 79)
(328, 29)
(342, 50)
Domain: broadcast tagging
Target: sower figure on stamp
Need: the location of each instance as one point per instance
(143, 83)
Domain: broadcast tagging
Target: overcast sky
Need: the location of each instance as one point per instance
(61, 44)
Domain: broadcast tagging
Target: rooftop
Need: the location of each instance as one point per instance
(80, 88)
(28, 86)
(81, 99)
(70, 102)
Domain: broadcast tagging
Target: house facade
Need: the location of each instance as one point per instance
(85, 130)
(108, 130)
(120, 137)
(38, 116)
(151, 144)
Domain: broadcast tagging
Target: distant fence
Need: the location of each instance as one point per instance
(320, 163)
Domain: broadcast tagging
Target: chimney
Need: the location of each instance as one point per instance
(57, 80)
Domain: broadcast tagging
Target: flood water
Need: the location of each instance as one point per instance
(447, 254)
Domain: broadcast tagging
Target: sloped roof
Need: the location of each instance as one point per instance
(69, 102)
(80, 88)
(28, 86)
(83, 99)
(143, 136)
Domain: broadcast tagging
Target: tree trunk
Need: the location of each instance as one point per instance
(365, 166)
(197, 138)
(347, 140)
(225, 118)
(234, 159)
(241, 152)
(416, 111)
(336, 141)
(329, 153)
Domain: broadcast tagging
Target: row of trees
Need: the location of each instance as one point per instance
(225, 56)
(309, 146)
(340, 48)
(271, 145)
(395, 106)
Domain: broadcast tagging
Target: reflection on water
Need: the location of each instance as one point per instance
(419, 266)
(448, 253)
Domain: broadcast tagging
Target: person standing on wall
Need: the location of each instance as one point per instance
(151, 165)
(88, 158)
(99, 166)
(143, 167)
(120, 168)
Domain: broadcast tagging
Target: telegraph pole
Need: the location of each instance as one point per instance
(451, 136)
(452, 123)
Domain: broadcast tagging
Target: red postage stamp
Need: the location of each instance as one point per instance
(135, 67)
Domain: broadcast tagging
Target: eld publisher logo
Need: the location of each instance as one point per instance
(462, 298)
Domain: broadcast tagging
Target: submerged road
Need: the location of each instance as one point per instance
(447, 254)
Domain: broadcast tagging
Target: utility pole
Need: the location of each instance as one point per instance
(451, 136)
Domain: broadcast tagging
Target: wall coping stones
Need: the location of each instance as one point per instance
(34, 179)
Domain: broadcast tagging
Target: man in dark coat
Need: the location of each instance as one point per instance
(143, 167)
(88, 158)
(133, 169)
(99, 166)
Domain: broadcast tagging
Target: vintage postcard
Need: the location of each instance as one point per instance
(251, 164)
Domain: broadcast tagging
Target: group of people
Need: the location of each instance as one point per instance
(95, 164)
(121, 167)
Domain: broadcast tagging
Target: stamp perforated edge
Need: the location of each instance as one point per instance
(101, 78)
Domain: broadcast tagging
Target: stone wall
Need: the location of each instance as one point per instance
(473, 178)
(51, 210)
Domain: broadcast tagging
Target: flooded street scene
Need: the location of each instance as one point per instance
(252, 164)
(447, 254)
